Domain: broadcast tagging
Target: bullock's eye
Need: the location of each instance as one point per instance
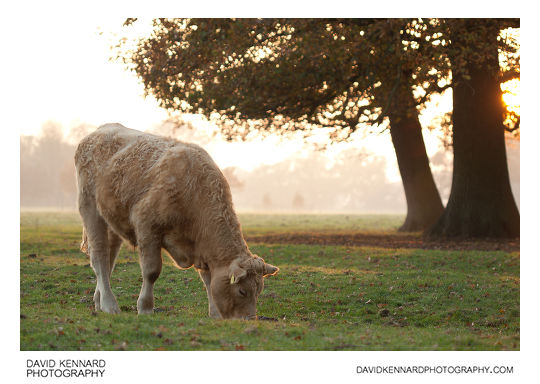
(242, 292)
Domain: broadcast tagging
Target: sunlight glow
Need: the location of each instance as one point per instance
(511, 96)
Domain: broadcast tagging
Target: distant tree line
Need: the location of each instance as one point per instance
(47, 171)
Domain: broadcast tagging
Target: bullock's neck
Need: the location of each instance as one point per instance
(218, 230)
(220, 240)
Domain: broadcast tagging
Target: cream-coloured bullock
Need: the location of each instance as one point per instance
(157, 193)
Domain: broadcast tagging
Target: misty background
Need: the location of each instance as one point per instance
(352, 179)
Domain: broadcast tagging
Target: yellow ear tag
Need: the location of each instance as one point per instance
(232, 279)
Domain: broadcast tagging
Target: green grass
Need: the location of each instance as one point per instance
(325, 297)
(266, 224)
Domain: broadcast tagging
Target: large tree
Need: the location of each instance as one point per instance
(284, 74)
(280, 75)
(481, 203)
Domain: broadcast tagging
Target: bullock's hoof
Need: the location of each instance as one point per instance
(145, 306)
(145, 311)
(112, 310)
(214, 315)
(97, 299)
(109, 307)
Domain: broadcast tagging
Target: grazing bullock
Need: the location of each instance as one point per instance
(157, 192)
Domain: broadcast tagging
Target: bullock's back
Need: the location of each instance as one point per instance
(122, 167)
(96, 149)
(128, 151)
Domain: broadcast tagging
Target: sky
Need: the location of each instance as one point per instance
(63, 73)
(65, 65)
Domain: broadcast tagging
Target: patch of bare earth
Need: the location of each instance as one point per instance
(386, 241)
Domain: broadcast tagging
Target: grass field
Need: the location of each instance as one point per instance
(325, 297)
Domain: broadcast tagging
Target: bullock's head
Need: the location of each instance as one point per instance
(235, 289)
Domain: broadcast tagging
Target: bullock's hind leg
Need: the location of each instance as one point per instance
(212, 309)
(98, 247)
(114, 243)
(150, 260)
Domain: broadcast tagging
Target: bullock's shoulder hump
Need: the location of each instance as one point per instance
(185, 149)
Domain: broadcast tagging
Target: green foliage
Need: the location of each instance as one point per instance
(325, 297)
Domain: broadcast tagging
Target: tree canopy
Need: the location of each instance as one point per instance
(288, 74)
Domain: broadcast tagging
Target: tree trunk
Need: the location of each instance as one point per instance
(424, 204)
(481, 203)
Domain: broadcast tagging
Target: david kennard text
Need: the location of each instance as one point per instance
(65, 368)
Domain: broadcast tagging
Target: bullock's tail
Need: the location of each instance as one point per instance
(84, 242)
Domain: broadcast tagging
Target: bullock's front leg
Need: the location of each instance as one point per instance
(206, 278)
(150, 260)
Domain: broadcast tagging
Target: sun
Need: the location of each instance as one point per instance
(510, 96)
(510, 88)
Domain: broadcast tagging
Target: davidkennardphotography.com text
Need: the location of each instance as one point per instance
(438, 369)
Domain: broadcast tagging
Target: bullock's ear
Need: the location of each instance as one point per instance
(269, 270)
(236, 272)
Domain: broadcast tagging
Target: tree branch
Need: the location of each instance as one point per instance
(433, 87)
(509, 75)
(509, 23)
